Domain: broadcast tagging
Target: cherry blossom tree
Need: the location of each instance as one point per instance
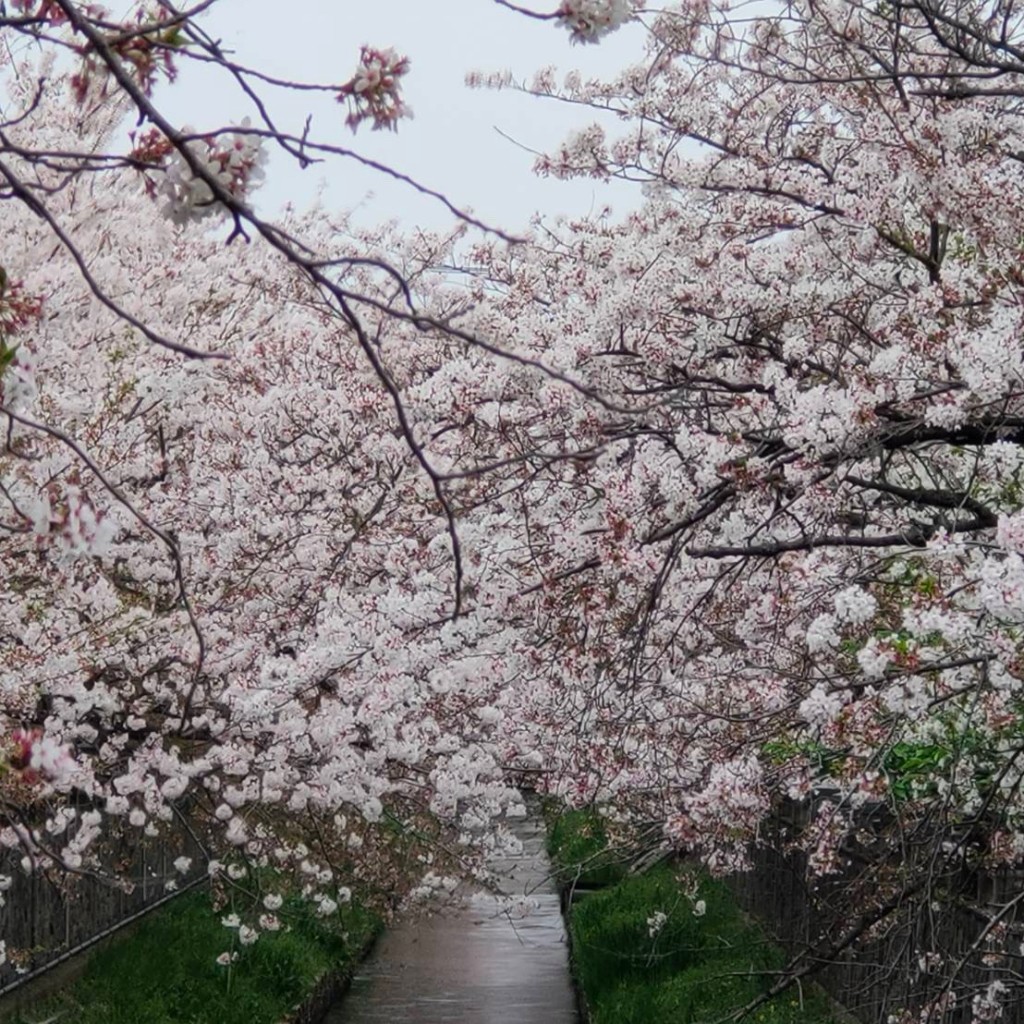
(236, 593)
(784, 564)
(703, 515)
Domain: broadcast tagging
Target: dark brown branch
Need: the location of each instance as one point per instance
(929, 496)
(916, 535)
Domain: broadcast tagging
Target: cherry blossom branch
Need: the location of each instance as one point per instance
(930, 497)
(36, 205)
(539, 16)
(916, 535)
(162, 535)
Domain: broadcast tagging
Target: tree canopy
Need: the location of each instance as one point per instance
(696, 514)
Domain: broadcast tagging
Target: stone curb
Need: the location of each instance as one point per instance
(328, 990)
(565, 900)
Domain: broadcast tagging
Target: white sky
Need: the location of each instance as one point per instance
(452, 144)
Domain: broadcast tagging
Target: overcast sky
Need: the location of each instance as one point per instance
(453, 143)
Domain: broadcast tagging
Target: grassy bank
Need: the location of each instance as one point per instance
(579, 849)
(167, 972)
(669, 946)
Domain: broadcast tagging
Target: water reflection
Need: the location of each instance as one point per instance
(473, 965)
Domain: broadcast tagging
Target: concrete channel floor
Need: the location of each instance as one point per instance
(473, 964)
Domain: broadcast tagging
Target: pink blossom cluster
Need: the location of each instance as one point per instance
(589, 20)
(374, 93)
(39, 757)
(233, 162)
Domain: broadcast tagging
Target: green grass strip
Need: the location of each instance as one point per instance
(669, 946)
(166, 971)
(578, 847)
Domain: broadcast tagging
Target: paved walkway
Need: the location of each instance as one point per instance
(472, 965)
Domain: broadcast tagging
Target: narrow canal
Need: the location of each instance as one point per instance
(474, 964)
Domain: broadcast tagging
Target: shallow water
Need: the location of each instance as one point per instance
(473, 964)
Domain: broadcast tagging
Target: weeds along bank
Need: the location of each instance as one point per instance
(669, 945)
(187, 964)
